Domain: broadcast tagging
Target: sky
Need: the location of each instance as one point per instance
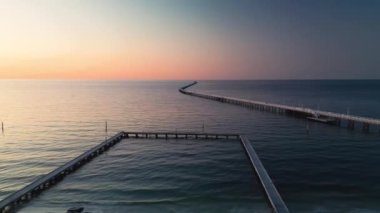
(189, 39)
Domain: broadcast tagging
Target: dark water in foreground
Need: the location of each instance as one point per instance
(329, 169)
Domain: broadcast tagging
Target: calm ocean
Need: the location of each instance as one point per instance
(328, 169)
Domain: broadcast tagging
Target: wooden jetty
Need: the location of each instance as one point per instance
(308, 113)
(180, 135)
(15, 200)
(276, 202)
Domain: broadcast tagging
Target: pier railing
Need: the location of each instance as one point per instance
(318, 115)
(15, 200)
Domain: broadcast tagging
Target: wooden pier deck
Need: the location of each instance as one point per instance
(15, 200)
(276, 202)
(180, 135)
(336, 118)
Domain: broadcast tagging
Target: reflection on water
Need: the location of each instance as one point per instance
(49, 122)
(161, 176)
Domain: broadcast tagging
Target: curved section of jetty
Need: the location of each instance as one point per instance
(351, 121)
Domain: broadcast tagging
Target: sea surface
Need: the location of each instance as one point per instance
(323, 169)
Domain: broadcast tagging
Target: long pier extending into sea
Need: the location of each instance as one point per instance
(15, 200)
(350, 121)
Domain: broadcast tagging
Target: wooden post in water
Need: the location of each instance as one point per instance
(106, 129)
(365, 127)
(337, 121)
(351, 124)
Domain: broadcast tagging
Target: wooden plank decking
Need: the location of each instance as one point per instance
(276, 202)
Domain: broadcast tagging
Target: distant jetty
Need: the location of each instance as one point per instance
(350, 121)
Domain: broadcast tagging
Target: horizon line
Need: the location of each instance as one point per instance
(258, 79)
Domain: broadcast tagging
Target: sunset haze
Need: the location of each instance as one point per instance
(156, 40)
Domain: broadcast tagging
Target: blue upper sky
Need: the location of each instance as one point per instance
(301, 39)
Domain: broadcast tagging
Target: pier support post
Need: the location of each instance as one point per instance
(365, 127)
(337, 122)
(351, 124)
(8, 209)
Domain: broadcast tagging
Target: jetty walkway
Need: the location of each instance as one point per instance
(15, 200)
(351, 121)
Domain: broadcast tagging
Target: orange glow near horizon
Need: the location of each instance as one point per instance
(77, 40)
(142, 65)
(186, 40)
(58, 41)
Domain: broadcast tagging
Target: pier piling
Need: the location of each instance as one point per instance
(365, 127)
(351, 124)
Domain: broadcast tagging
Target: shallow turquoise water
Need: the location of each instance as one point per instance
(329, 169)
